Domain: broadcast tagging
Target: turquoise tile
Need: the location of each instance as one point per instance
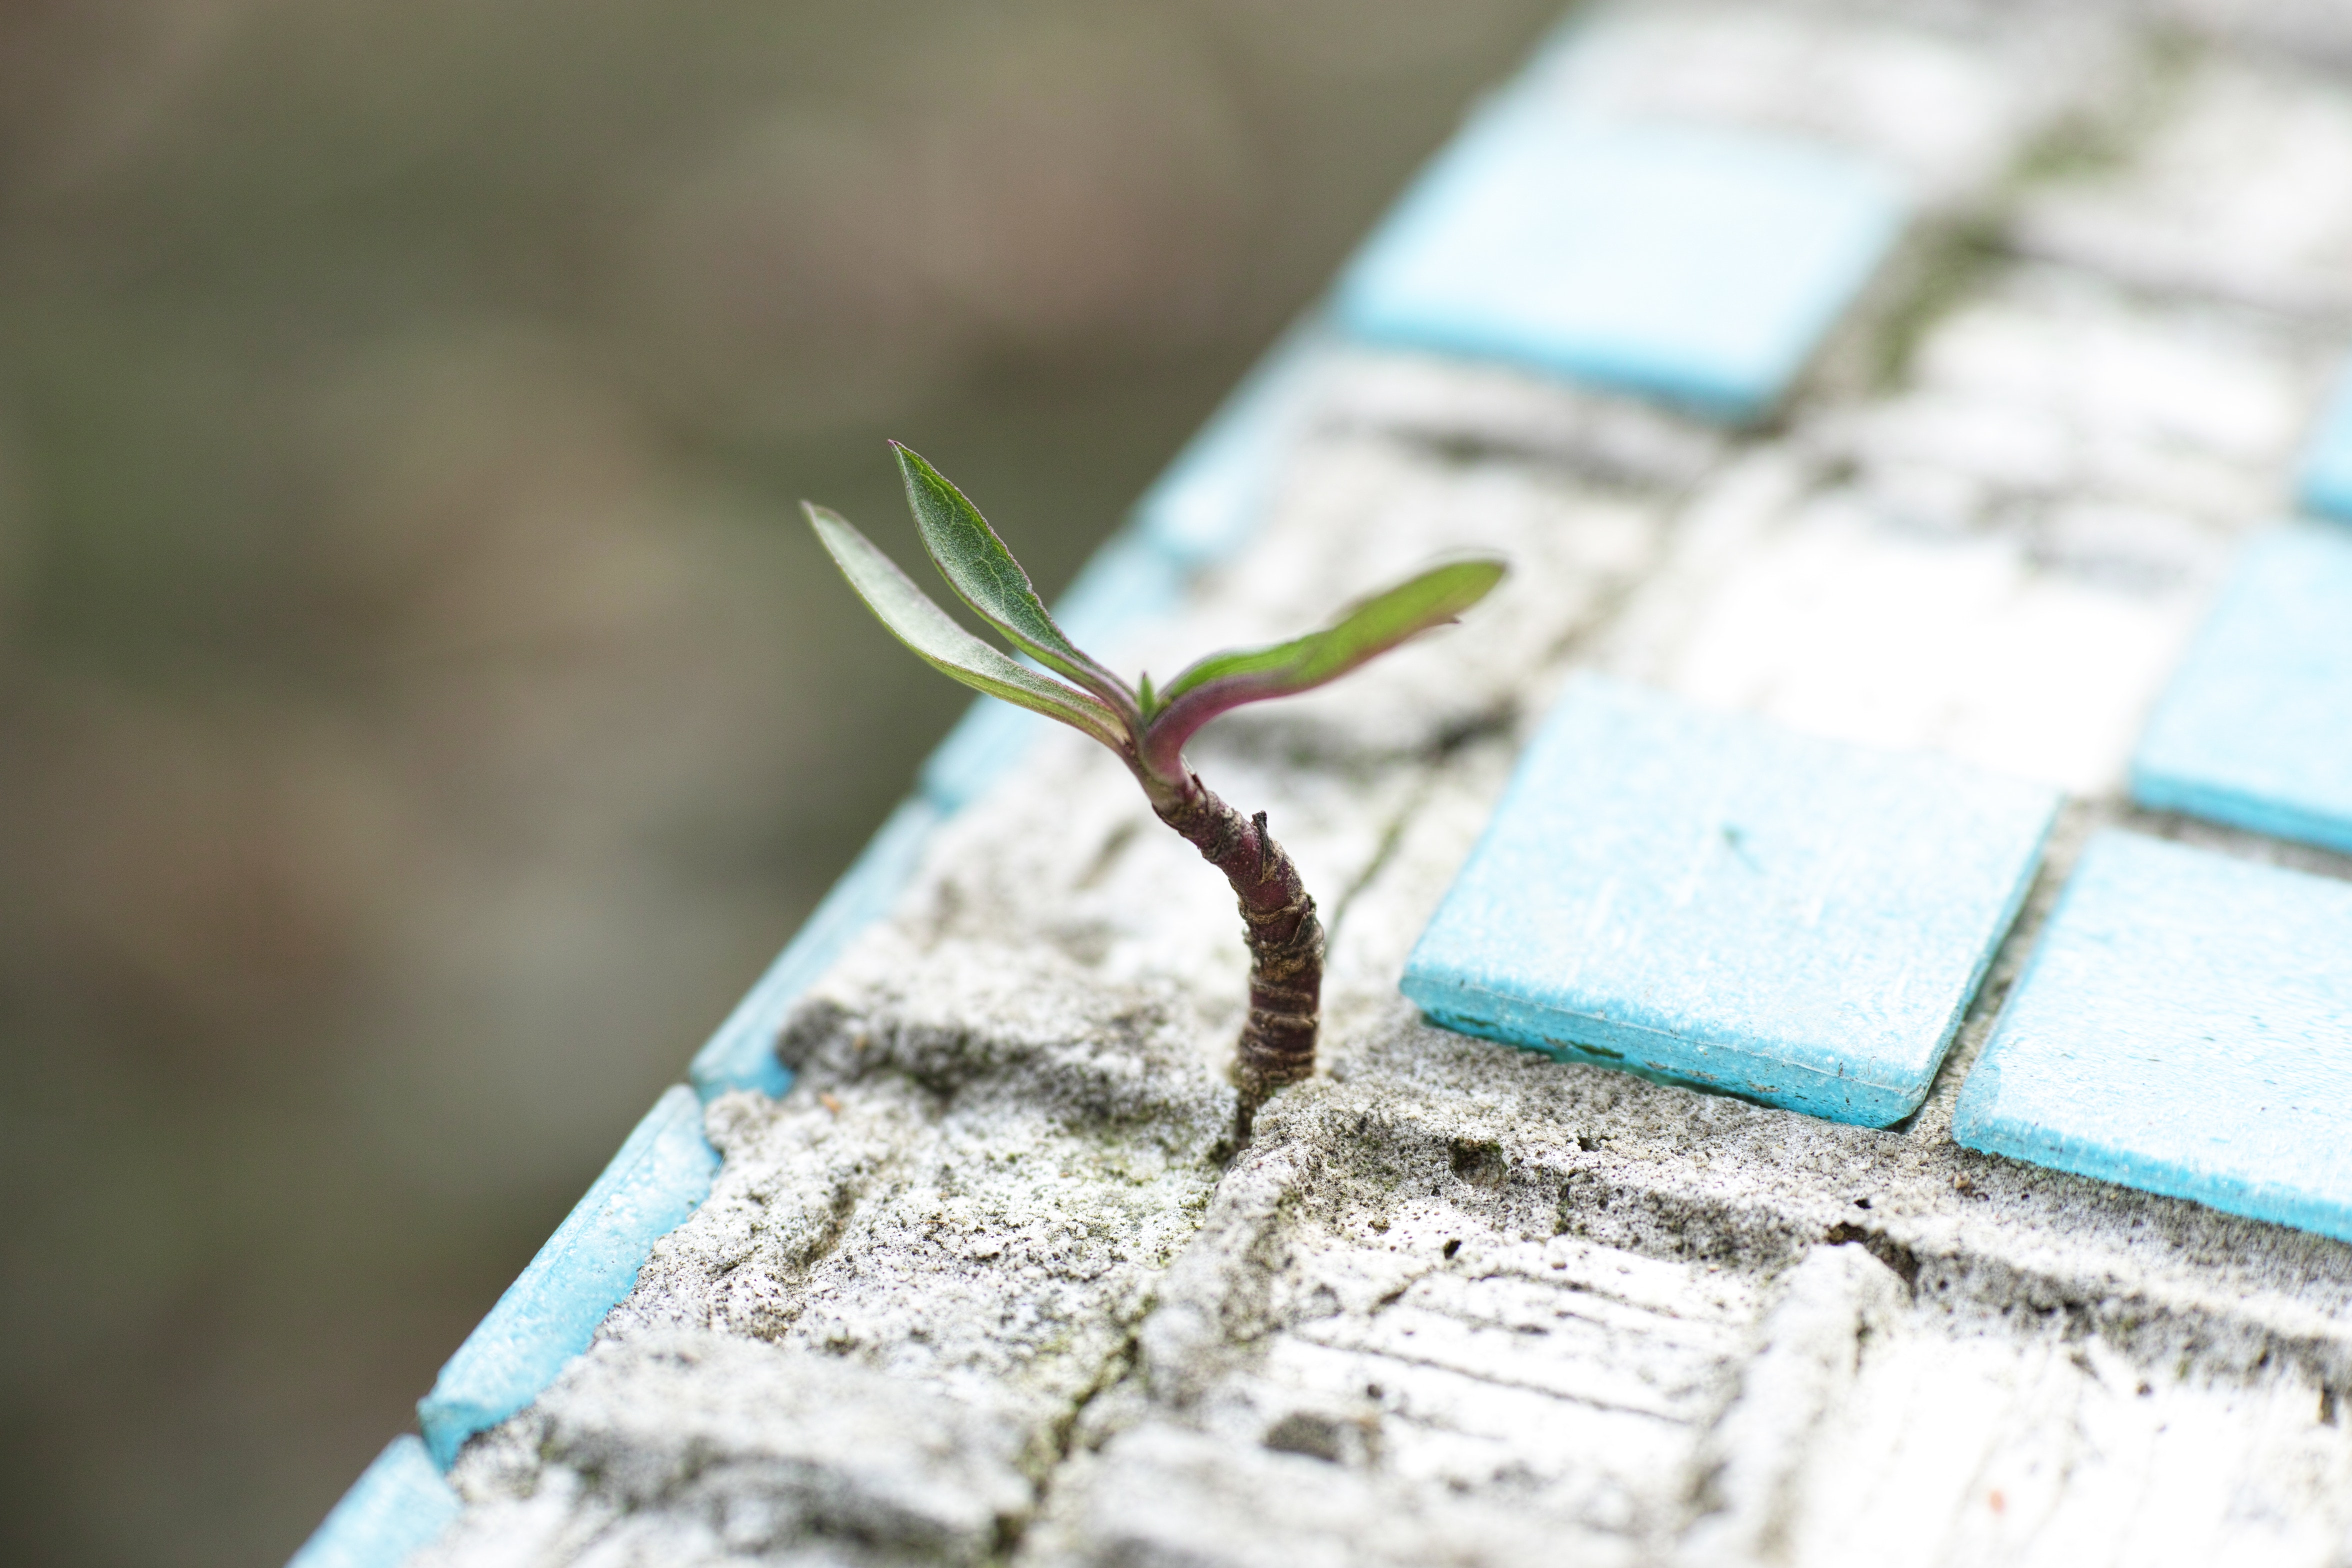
(2185, 1026)
(2255, 729)
(399, 1505)
(551, 1312)
(2326, 482)
(1715, 900)
(742, 1053)
(1699, 265)
(1127, 582)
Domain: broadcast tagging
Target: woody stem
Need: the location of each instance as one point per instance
(1285, 939)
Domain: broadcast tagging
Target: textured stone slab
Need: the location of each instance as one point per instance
(399, 1504)
(2239, 187)
(2326, 482)
(550, 1311)
(1950, 100)
(2110, 425)
(1715, 901)
(1483, 1305)
(2184, 1028)
(742, 1053)
(1816, 611)
(2257, 728)
(1699, 265)
(687, 1447)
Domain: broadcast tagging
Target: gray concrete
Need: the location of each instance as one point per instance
(992, 1283)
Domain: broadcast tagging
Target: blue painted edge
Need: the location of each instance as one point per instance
(741, 1053)
(552, 1310)
(2323, 483)
(399, 1505)
(1207, 504)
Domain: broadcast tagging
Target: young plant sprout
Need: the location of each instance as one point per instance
(1148, 726)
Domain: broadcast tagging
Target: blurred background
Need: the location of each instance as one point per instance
(423, 713)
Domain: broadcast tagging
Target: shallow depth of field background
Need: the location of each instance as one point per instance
(423, 712)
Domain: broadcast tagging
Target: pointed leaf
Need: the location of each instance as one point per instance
(983, 573)
(1226, 680)
(934, 636)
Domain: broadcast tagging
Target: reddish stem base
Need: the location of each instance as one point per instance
(1285, 940)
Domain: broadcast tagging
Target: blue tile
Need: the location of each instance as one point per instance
(2185, 1026)
(399, 1505)
(550, 1311)
(2326, 482)
(1129, 581)
(742, 1053)
(1715, 900)
(2257, 728)
(1699, 265)
(1210, 501)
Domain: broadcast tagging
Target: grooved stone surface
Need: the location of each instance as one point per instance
(1715, 901)
(1950, 107)
(696, 1447)
(2326, 480)
(1695, 264)
(2256, 729)
(990, 1280)
(2239, 186)
(399, 1504)
(550, 1311)
(2185, 1027)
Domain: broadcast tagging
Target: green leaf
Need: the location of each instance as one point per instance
(923, 626)
(983, 573)
(1226, 680)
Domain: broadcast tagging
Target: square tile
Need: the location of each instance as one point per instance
(2255, 729)
(1699, 265)
(2324, 485)
(1715, 900)
(2185, 1027)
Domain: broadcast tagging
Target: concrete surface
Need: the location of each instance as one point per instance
(990, 1282)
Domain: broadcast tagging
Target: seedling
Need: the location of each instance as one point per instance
(1148, 726)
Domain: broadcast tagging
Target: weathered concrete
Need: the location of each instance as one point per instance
(992, 1283)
